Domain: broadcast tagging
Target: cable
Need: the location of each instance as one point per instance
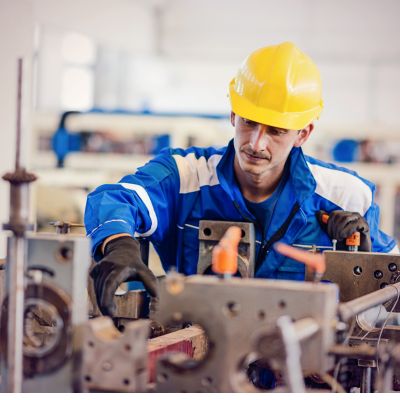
(374, 325)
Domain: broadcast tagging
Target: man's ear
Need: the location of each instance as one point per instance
(233, 118)
(303, 135)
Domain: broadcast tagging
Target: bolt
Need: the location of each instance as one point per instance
(357, 270)
(107, 366)
(378, 274)
(392, 267)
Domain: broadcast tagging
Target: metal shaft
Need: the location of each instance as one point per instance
(354, 307)
(18, 224)
(19, 108)
(366, 380)
(14, 370)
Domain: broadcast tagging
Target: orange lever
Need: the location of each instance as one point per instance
(314, 262)
(225, 253)
(352, 240)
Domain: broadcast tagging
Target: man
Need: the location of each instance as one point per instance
(262, 176)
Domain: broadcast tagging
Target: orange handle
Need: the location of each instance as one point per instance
(325, 218)
(354, 239)
(314, 262)
(225, 253)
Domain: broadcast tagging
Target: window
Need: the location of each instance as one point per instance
(77, 86)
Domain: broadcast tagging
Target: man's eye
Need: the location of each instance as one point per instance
(249, 122)
(277, 132)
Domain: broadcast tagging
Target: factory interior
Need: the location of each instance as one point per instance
(200, 196)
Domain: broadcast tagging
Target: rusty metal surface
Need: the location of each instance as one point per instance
(360, 273)
(41, 354)
(115, 362)
(210, 233)
(56, 269)
(235, 315)
(2, 284)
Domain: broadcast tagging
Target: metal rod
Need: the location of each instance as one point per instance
(366, 380)
(19, 107)
(354, 307)
(305, 328)
(19, 206)
(14, 371)
(293, 372)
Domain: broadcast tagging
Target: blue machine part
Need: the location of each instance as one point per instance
(65, 141)
(345, 150)
(161, 142)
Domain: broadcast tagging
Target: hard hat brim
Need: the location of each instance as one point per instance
(289, 120)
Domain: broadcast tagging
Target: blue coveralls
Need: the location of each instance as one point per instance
(166, 198)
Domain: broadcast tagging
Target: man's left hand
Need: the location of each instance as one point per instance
(342, 224)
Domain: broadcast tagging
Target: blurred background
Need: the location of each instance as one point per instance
(107, 84)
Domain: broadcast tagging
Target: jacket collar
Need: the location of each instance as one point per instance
(301, 183)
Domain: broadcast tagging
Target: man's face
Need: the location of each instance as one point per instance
(261, 148)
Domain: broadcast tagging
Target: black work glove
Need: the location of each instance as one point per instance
(121, 262)
(342, 224)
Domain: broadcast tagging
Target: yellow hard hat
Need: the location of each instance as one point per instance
(277, 86)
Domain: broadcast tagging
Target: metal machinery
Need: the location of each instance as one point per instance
(245, 320)
(296, 329)
(361, 276)
(43, 299)
(211, 232)
(54, 315)
(115, 362)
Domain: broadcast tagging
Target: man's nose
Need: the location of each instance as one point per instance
(259, 138)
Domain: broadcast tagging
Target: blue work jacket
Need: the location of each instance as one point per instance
(166, 198)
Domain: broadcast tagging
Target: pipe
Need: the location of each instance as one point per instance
(354, 307)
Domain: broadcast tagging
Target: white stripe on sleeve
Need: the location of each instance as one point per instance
(196, 172)
(141, 192)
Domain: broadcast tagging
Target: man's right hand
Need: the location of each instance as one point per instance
(121, 262)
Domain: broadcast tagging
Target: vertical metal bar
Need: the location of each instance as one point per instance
(293, 372)
(16, 262)
(15, 271)
(19, 107)
(366, 380)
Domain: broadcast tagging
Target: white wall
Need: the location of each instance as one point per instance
(123, 26)
(183, 58)
(16, 23)
(355, 43)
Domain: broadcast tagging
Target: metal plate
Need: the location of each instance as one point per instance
(360, 273)
(234, 314)
(115, 362)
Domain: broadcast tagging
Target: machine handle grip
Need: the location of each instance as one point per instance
(225, 253)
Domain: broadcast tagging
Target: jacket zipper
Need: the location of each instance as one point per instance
(263, 242)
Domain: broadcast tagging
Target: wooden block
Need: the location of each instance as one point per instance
(192, 341)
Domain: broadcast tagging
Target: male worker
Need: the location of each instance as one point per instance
(261, 176)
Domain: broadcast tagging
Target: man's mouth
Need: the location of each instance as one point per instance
(256, 157)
